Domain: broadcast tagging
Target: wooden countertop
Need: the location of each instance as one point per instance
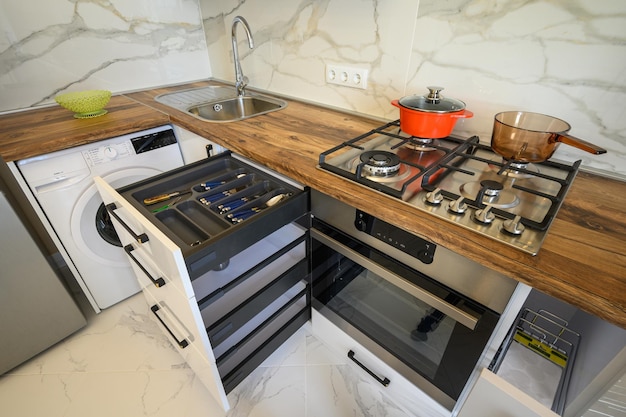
(49, 129)
(582, 260)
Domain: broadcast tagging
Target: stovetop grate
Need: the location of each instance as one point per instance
(461, 145)
(540, 188)
(470, 153)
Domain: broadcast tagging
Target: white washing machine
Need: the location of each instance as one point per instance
(62, 183)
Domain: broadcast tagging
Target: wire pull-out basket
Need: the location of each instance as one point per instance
(537, 357)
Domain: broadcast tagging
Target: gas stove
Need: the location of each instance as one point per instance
(459, 180)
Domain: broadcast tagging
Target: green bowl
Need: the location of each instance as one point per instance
(85, 104)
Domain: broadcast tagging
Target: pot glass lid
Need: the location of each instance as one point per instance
(433, 102)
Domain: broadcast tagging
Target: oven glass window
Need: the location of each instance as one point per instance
(433, 344)
(420, 333)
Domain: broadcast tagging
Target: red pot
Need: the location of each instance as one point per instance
(431, 116)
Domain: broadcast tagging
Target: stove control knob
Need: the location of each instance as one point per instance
(484, 215)
(360, 222)
(434, 197)
(360, 225)
(514, 226)
(457, 206)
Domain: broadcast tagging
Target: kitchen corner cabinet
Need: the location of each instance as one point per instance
(225, 274)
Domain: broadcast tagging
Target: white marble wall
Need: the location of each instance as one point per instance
(51, 46)
(565, 58)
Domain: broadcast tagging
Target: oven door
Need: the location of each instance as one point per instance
(436, 335)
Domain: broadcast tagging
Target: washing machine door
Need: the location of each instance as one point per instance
(100, 258)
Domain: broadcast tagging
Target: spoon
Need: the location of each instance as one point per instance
(243, 215)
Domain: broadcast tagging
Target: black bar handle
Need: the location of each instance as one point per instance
(182, 343)
(159, 282)
(385, 382)
(142, 238)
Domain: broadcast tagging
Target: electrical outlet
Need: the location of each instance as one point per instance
(346, 76)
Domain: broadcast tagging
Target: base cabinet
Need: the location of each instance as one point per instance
(397, 388)
(233, 295)
(492, 396)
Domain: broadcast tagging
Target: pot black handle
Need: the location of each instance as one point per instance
(384, 381)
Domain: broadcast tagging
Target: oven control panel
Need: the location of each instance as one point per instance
(392, 235)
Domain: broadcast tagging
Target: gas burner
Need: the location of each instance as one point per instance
(444, 177)
(421, 144)
(380, 163)
(514, 169)
(491, 193)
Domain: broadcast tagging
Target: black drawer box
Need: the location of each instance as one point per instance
(217, 208)
(237, 318)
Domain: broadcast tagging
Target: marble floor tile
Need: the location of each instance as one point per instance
(270, 391)
(122, 365)
(341, 391)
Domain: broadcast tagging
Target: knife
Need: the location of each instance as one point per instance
(163, 197)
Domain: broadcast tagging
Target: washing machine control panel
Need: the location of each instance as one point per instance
(106, 153)
(112, 150)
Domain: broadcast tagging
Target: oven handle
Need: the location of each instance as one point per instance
(446, 308)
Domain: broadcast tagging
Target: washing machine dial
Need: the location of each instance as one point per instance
(109, 152)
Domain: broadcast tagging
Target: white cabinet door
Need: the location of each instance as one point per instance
(399, 390)
(492, 396)
(175, 326)
(133, 228)
(174, 303)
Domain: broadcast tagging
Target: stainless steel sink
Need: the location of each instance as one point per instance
(237, 108)
(221, 104)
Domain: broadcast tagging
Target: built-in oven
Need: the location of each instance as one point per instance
(432, 311)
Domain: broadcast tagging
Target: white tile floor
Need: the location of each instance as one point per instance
(122, 365)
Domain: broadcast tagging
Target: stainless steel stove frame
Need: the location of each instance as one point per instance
(438, 183)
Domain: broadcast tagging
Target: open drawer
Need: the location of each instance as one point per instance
(226, 290)
(215, 208)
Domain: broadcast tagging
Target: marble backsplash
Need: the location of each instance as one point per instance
(565, 58)
(52, 46)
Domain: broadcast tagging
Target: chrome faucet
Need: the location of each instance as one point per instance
(241, 81)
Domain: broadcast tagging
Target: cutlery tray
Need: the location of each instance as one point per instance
(216, 199)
